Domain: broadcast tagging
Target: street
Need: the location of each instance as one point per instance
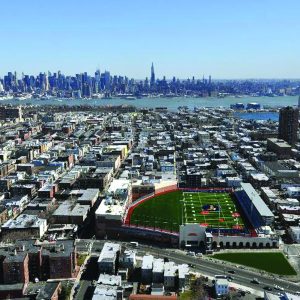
(205, 265)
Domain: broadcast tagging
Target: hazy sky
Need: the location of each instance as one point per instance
(185, 38)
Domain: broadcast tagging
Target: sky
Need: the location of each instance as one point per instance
(225, 38)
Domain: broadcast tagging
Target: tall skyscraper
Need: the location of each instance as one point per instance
(152, 78)
(107, 80)
(288, 124)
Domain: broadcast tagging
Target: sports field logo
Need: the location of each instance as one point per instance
(211, 207)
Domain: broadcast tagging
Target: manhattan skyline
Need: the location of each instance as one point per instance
(256, 39)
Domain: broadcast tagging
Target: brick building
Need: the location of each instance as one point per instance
(15, 268)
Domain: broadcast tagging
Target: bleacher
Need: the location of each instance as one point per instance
(250, 211)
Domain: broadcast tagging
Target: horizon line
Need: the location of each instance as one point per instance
(158, 78)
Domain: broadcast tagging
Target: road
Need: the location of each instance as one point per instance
(215, 267)
(206, 266)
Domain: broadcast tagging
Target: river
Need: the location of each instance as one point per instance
(171, 103)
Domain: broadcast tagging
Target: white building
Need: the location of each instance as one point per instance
(108, 288)
(128, 259)
(221, 286)
(170, 275)
(183, 275)
(147, 266)
(107, 279)
(112, 209)
(158, 270)
(108, 257)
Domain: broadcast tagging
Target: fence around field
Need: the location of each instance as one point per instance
(174, 188)
(150, 229)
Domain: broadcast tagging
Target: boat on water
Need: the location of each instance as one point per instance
(46, 97)
(97, 96)
(127, 96)
(22, 97)
(154, 96)
(130, 98)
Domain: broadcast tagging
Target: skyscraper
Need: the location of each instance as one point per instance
(288, 124)
(152, 78)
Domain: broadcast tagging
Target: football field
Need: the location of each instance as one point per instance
(169, 211)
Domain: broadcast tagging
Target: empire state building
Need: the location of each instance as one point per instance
(152, 78)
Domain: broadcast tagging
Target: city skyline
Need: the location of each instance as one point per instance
(106, 85)
(147, 75)
(256, 40)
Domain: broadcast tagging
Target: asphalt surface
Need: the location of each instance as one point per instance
(214, 267)
(205, 265)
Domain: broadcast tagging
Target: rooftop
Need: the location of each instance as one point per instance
(260, 205)
(24, 221)
(147, 262)
(109, 251)
(107, 279)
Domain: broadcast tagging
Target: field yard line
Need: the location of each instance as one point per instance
(201, 205)
(223, 215)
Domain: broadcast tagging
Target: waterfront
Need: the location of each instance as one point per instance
(170, 103)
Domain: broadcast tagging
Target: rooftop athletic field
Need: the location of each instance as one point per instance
(168, 211)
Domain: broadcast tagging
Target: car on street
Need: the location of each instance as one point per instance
(278, 288)
(254, 280)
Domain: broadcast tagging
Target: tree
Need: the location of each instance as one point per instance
(197, 288)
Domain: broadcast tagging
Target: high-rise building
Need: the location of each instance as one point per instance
(152, 78)
(288, 124)
(107, 80)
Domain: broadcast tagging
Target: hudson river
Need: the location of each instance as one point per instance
(170, 103)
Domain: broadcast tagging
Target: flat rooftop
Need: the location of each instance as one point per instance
(259, 204)
(147, 262)
(69, 209)
(109, 251)
(24, 221)
(107, 279)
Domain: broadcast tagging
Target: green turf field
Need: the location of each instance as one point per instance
(175, 208)
(273, 262)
